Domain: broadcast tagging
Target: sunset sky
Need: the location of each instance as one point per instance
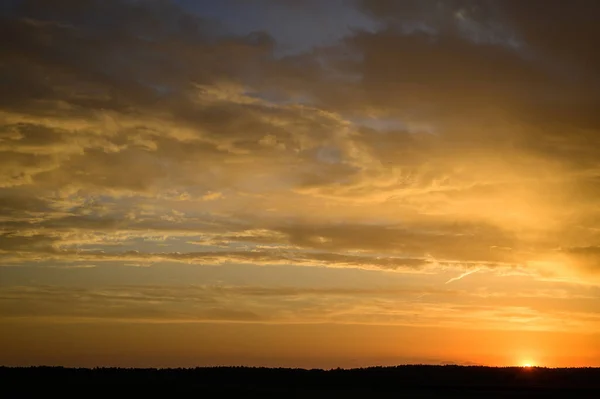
(310, 183)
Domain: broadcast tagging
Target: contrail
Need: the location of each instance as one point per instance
(465, 274)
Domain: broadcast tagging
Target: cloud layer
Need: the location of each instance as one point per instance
(419, 137)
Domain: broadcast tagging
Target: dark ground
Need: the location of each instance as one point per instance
(244, 382)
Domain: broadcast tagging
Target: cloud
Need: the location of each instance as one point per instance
(126, 121)
(68, 248)
(169, 304)
(212, 196)
(463, 275)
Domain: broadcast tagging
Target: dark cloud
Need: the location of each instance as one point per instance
(552, 71)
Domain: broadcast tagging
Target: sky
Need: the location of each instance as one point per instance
(299, 183)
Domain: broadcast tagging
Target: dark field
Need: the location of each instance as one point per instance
(382, 382)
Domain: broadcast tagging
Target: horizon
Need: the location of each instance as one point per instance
(299, 368)
(308, 183)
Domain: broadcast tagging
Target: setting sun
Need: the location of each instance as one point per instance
(528, 364)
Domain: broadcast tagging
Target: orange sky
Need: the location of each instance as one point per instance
(308, 184)
(143, 344)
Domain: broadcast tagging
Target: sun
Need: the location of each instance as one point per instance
(527, 364)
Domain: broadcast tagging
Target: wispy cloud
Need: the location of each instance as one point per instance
(164, 304)
(463, 275)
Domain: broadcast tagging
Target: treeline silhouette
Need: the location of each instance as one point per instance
(411, 380)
